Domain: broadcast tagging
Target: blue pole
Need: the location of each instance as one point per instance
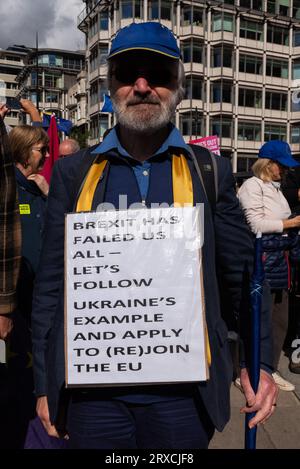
(256, 298)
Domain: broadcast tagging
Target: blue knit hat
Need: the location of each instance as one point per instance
(149, 36)
(278, 151)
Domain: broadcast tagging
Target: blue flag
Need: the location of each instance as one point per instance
(63, 125)
(107, 106)
(46, 120)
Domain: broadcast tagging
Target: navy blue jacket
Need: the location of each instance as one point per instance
(227, 253)
(32, 204)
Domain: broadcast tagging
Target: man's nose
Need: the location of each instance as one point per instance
(141, 85)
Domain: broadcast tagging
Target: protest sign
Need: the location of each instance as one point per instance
(211, 142)
(134, 301)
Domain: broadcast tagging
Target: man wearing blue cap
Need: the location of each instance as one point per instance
(146, 159)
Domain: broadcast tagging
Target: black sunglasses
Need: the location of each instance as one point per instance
(156, 77)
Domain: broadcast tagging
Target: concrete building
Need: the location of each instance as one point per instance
(48, 80)
(76, 102)
(12, 61)
(242, 64)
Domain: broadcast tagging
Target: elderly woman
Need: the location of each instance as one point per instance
(267, 211)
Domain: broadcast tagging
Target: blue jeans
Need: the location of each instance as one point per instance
(114, 424)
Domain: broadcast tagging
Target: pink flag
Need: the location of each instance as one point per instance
(53, 149)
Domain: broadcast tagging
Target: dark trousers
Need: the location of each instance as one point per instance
(279, 323)
(115, 424)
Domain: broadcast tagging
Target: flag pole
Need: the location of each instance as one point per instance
(256, 299)
(37, 70)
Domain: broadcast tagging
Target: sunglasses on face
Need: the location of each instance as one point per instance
(154, 76)
(43, 151)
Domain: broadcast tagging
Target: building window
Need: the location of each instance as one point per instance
(250, 64)
(193, 88)
(278, 7)
(102, 90)
(277, 101)
(296, 9)
(274, 132)
(103, 51)
(165, 10)
(295, 133)
(126, 9)
(252, 4)
(33, 79)
(160, 9)
(191, 15)
(93, 29)
(221, 92)
(138, 8)
(53, 81)
(296, 38)
(12, 58)
(249, 131)
(72, 63)
(103, 20)
(153, 10)
(244, 164)
(250, 98)
(191, 51)
(296, 69)
(190, 123)
(277, 35)
(221, 127)
(94, 59)
(51, 97)
(251, 30)
(94, 94)
(222, 22)
(277, 68)
(222, 57)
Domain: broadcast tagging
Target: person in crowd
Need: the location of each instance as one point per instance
(291, 190)
(146, 81)
(29, 147)
(68, 147)
(267, 212)
(10, 234)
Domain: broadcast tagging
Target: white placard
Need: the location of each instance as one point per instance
(134, 301)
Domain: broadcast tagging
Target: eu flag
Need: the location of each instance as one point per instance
(107, 106)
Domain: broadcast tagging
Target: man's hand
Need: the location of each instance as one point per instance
(40, 182)
(3, 110)
(264, 401)
(43, 412)
(28, 107)
(6, 326)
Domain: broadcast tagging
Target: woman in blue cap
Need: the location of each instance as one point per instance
(267, 211)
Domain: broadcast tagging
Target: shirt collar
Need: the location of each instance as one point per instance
(112, 142)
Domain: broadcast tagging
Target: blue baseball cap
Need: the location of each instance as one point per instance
(278, 151)
(150, 36)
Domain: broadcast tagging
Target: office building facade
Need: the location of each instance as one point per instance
(12, 61)
(242, 65)
(47, 81)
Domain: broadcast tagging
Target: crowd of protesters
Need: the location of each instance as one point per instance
(24, 192)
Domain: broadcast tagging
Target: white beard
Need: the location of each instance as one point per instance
(146, 116)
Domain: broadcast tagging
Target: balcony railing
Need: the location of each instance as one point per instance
(88, 10)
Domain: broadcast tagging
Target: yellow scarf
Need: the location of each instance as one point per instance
(182, 191)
